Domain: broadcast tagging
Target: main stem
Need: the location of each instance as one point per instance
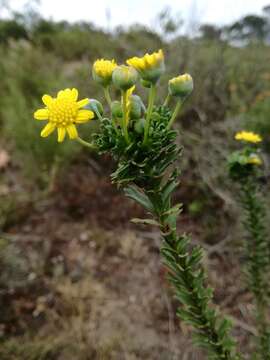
(188, 279)
(152, 95)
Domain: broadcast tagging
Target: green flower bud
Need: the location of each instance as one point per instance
(124, 77)
(116, 108)
(181, 86)
(137, 107)
(139, 126)
(95, 106)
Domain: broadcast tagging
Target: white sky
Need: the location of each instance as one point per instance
(125, 12)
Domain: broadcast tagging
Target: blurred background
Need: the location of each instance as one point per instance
(78, 280)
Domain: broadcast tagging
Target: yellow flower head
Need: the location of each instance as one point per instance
(150, 66)
(62, 113)
(102, 71)
(248, 136)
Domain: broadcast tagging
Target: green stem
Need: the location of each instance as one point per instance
(175, 113)
(186, 280)
(151, 100)
(98, 114)
(107, 96)
(187, 276)
(86, 143)
(167, 100)
(125, 116)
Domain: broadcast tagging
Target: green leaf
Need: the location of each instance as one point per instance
(145, 221)
(224, 328)
(168, 189)
(135, 194)
(175, 210)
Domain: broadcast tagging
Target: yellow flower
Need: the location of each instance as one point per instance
(102, 71)
(254, 160)
(150, 66)
(62, 113)
(248, 136)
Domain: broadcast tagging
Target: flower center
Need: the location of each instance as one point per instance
(63, 111)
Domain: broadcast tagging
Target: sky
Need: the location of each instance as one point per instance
(110, 13)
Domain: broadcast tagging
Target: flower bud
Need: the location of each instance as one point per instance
(136, 107)
(95, 106)
(124, 77)
(139, 126)
(102, 71)
(150, 66)
(116, 108)
(181, 86)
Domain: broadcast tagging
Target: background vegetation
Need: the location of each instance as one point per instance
(66, 245)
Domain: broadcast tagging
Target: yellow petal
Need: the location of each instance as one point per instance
(82, 103)
(130, 91)
(48, 129)
(60, 93)
(72, 131)
(148, 61)
(161, 54)
(63, 93)
(41, 114)
(74, 94)
(84, 115)
(61, 134)
(47, 99)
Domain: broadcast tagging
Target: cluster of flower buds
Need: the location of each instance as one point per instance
(64, 111)
(148, 69)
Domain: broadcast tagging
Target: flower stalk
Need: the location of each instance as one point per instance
(86, 143)
(107, 96)
(167, 100)
(175, 113)
(151, 100)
